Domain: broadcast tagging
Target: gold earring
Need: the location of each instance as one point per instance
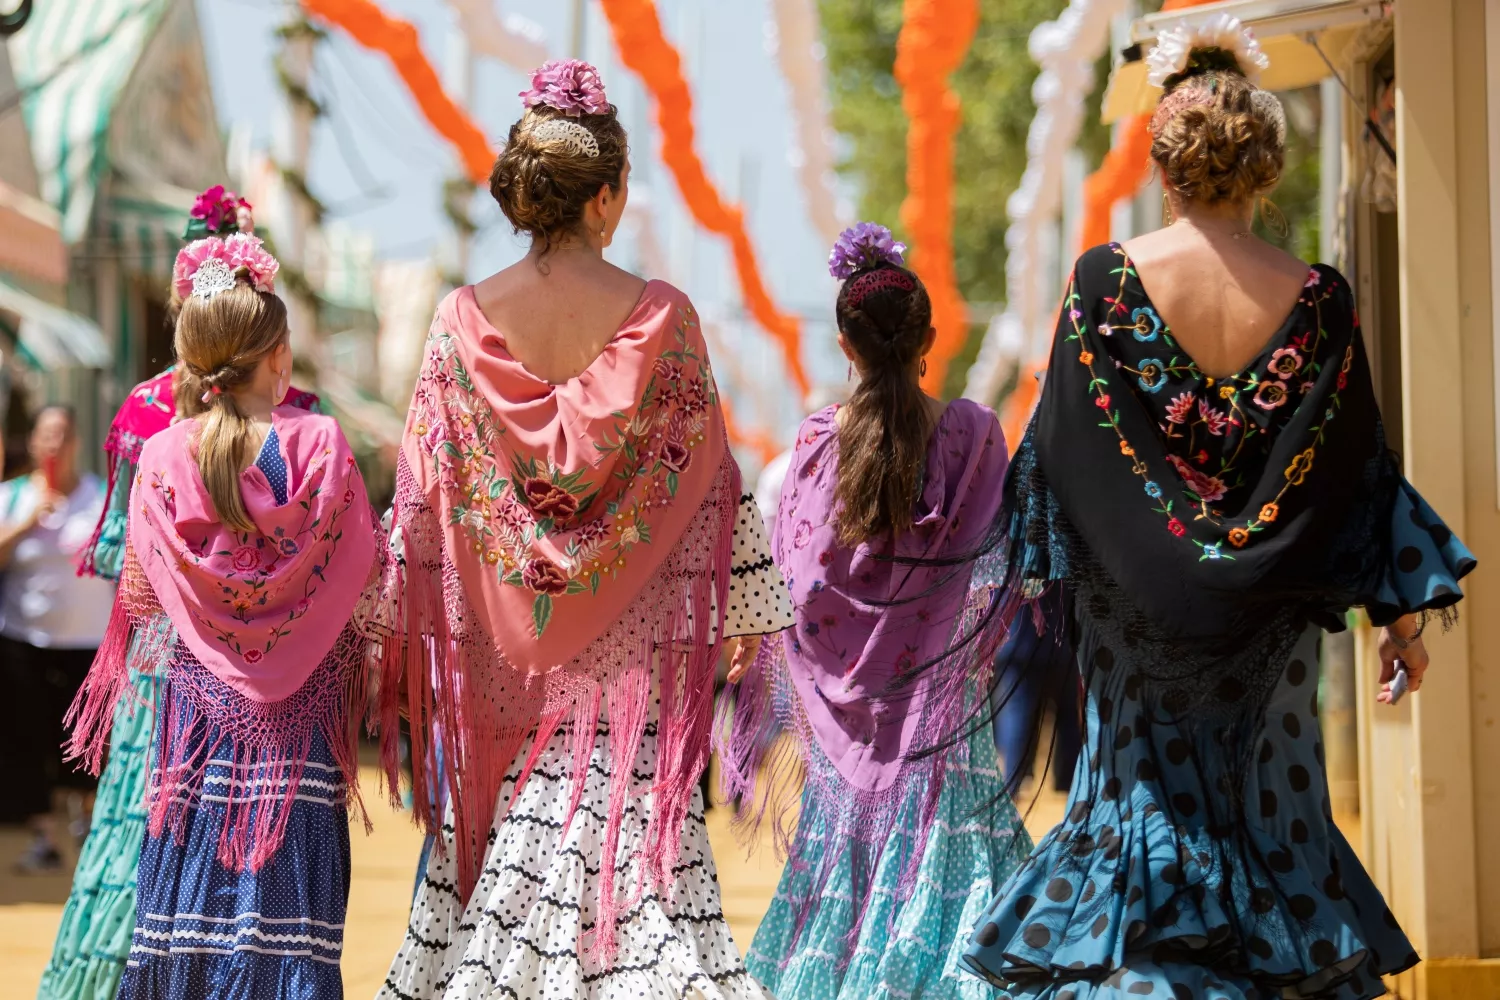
(1272, 217)
(1166, 210)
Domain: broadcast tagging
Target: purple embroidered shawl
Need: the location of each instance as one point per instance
(842, 679)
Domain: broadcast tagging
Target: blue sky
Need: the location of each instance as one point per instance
(380, 167)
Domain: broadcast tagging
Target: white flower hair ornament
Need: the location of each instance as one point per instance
(1173, 53)
(206, 267)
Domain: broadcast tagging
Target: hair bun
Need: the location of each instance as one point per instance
(1215, 141)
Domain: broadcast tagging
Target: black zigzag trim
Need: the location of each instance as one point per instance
(764, 562)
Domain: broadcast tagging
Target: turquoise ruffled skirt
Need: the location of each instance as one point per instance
(904, 947)
(99, 918)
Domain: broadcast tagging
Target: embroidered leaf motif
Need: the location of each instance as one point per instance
(541, 613)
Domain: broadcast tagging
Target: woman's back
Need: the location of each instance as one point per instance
(1222, 296)
(557, 319)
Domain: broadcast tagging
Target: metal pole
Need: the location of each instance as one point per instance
(580, 27)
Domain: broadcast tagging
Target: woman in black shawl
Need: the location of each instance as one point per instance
(1207, 481)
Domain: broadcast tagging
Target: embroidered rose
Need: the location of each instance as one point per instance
(1176, 527)
(548, 499)
(1208, 488)
(801, 534)
(246, 558)
(543, 577)
(1211, 418)
(670, 370)
(253, 656)
(675, 456)
(288, 546)
(348, 496)
(1270, 395)
(1179, 408)
(1285, 362)
(825, 558)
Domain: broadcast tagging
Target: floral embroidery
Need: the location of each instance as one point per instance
(1208, 446)
(505, 507)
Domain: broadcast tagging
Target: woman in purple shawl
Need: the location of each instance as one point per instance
(901, 833)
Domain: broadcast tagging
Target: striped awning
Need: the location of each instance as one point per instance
(72, 62)
(49, 337)
(144, 235)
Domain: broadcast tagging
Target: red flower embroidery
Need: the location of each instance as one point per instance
(669, 370)
(246, 558)
(675, 456)
(1179, 408)
(1208, 488)
(543, 577)
(254, 656)
(1176, 527)
(1102, 401)
(548, 499)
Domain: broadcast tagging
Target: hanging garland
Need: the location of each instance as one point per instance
(371, 27)
(800, 54)
(935, 35)
(645, 50)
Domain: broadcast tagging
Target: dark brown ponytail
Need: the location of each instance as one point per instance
(884, 314)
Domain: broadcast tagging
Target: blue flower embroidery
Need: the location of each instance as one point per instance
(1147, 323)
(1153, 377)
(1212, 551)
(1153, 490)
(811, 628)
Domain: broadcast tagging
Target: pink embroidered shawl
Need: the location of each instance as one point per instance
(146, 412)
(253, 628)
(587, 527)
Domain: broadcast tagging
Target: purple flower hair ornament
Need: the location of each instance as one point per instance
(571, 86)
(862, 246)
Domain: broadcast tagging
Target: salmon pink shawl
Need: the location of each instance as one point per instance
(561, 542)
(254, 630)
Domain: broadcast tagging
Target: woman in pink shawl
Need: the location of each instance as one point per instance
(576, 546)
(903, 832)
(250, 546)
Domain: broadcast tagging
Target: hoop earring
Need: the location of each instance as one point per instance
(1166, 210)
(922, 368)
(1273, 219)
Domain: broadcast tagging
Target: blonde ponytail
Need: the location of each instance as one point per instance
(219, 341)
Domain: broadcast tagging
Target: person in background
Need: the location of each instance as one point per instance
(93, 938)
(1033, 672)
(51, 622)
(902, 832)
(251, 554)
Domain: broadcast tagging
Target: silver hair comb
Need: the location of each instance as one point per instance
(578, 140)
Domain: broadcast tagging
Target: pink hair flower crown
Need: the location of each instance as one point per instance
(206, 267)
(571, 86)
(218, 212)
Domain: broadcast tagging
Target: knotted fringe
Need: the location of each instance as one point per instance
(448, 675)
(265, 747)
(768, 753)
(92, 713)
(101, 554)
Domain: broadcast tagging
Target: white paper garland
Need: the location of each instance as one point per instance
(799, 52)
(1066, 50)
(514, 40)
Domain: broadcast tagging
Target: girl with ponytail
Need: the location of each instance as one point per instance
(886, 505)
(250, 547)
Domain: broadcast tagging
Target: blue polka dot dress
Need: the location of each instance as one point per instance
(204, 930)
(1142, 891)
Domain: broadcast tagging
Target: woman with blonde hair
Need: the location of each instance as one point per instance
(576, 547)
(250, 546)
(1206, 478)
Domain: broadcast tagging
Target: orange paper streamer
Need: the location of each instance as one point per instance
(644, 49)
(368, 25)
(935, 35)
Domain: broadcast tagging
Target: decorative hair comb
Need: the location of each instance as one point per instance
(863, 246)
(1174, 51)
(571, 86)
(578, 140)
(884, 279)
(217, 212)
(206, 267)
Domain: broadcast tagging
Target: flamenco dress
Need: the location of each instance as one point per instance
(1198, 857)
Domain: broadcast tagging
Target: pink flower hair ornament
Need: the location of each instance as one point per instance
(218, 212)
(207, 267)
(571, 86)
